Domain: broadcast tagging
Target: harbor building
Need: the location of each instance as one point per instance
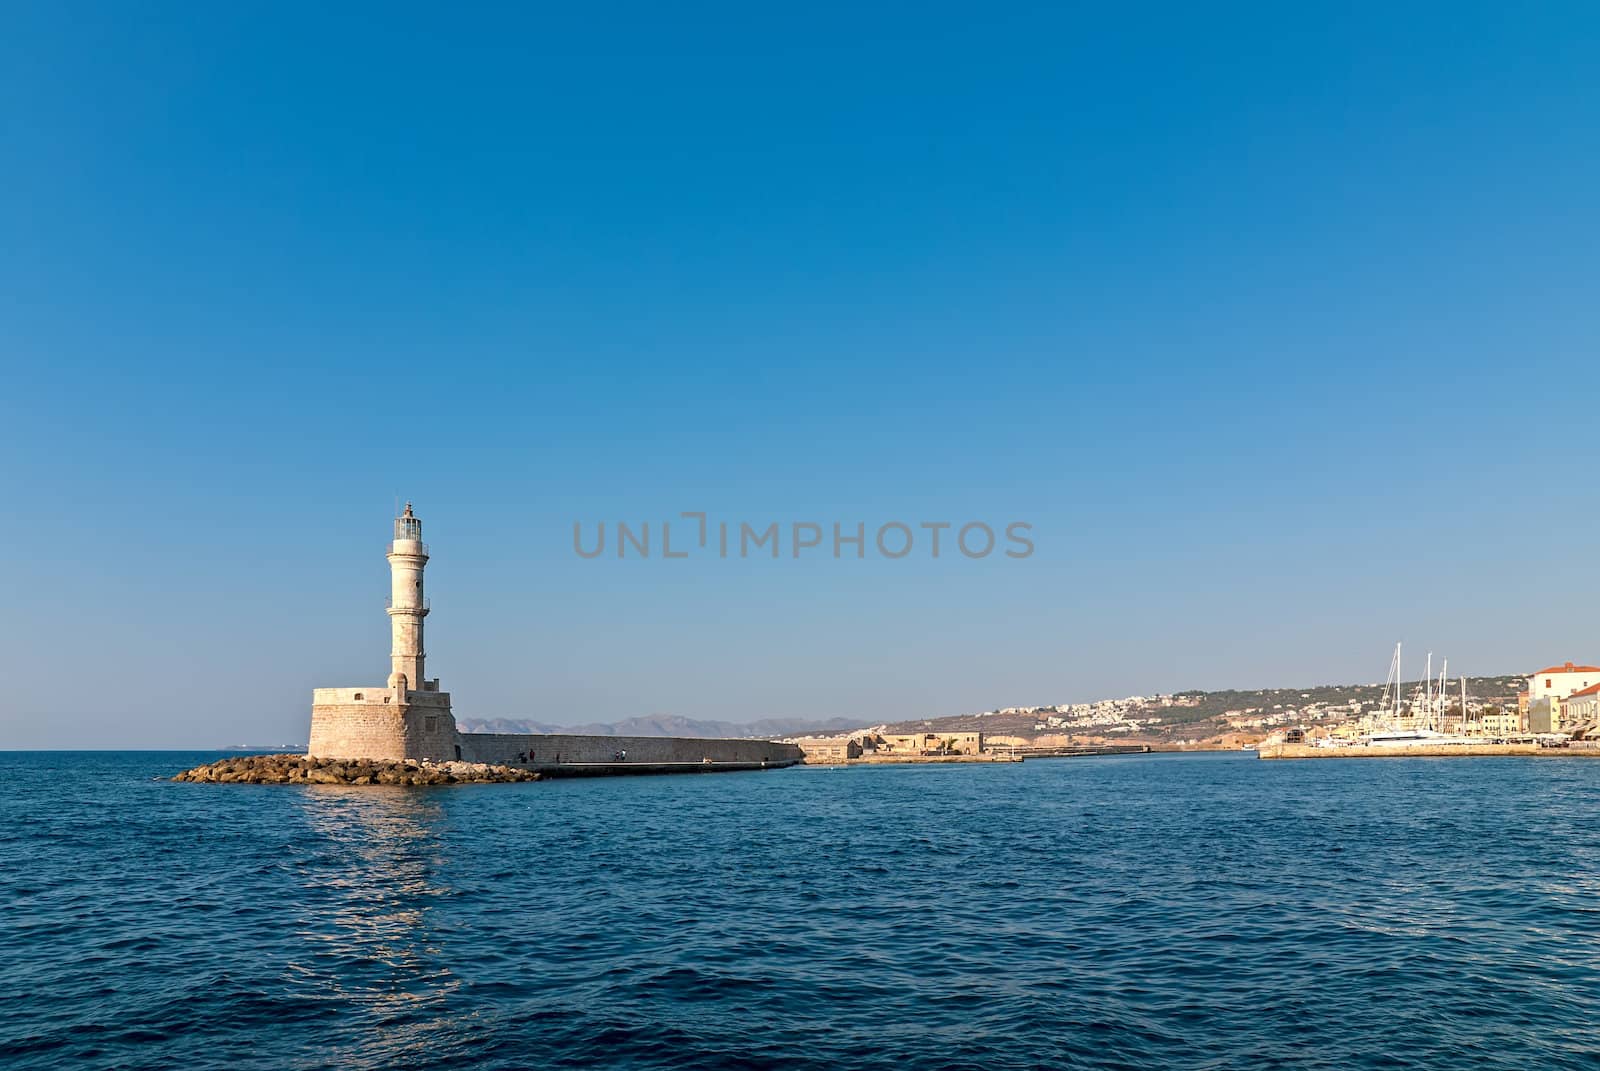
(1583, 708)
(409, 717)
(822, 750)
(1548, 691)
(964, 743)
(1503, 722)
(1561, 681)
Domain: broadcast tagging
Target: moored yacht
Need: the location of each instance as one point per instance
(1422, 725)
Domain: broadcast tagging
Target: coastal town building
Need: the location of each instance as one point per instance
(1561, 681)
(1548, 691)
(1544, 715)
(948, 743)
(878, 745)
(1583, 708)
(821, 750)
(1503, 721)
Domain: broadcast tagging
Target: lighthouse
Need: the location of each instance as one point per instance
(408, 557)
(408, 717)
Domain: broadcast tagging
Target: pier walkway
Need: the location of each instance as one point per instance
(624, 769)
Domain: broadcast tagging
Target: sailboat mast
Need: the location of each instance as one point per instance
(1427, 687)
(1444, 680)
(1397, 680)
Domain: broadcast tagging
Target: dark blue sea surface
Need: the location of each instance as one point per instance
(1140, 912)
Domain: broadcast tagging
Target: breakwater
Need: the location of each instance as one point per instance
(560, 753)
(906, 760)
(630, 768)
(1078, 751)
(300, 769)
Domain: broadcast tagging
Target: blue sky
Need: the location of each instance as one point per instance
(1277, 324)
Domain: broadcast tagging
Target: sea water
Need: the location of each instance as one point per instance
(1132, 912)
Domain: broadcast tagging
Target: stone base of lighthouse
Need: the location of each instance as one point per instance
(383, 723)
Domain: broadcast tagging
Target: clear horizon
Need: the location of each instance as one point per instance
(1274, 325)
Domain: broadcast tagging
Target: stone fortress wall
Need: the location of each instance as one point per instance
(381, 723)
(355, 730)
(552, 748)
(358, 723)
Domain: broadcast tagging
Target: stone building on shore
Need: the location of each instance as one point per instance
(823, 750)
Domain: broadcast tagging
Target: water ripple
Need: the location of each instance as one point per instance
(1146, 912)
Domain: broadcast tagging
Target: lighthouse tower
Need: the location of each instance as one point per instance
(409, 717)
(408, 556)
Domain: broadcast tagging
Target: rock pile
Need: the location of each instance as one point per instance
(301, 770)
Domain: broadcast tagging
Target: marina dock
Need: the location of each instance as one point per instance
(1416, 751)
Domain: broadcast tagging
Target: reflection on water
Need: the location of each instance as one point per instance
(364, 919)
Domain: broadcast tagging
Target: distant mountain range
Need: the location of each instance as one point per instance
(664, 725)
